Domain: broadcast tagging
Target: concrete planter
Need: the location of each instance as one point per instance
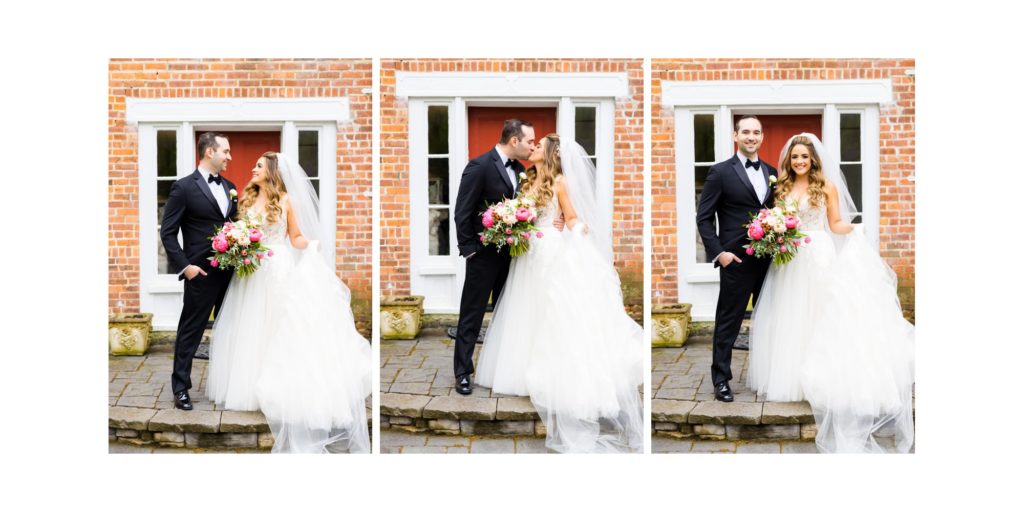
(670, 325)
(129, 333)
(400, 317)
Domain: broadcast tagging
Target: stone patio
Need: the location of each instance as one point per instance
(141, 409)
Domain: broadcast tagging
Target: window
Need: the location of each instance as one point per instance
(166, 175)
(704, 158)
(438, 168)
(309, 157)
(851, 159)
(586, 131)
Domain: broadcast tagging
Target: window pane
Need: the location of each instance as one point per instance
(438, 228)
(163, 190)
(849, 137)
(854, 181)
(700, 175)
(166, 153)
(586, 128)
(437, 181)
(437, 130)
(309, 153)
(704, 138)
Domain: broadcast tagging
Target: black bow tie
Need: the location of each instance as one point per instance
(508, 163)
(755, 165)
(214, 179)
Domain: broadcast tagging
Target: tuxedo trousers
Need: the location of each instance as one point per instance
(738, 282)
(203, 296)
(486, 273)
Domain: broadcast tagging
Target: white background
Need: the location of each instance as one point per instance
(54, 254)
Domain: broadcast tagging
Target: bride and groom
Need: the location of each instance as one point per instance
(559, 333)
(284, 339)
(827, 326)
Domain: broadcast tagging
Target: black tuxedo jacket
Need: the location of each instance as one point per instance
(729, 194)
(484, 182)
(192, 208)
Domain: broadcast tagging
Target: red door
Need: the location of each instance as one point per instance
(485, 125)
(246, 149)
(778, 129)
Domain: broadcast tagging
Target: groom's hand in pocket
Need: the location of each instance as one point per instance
(727, 258)
(192, 271)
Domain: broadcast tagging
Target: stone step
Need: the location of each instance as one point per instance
(175, 428)
(460, 415)
(733, 421)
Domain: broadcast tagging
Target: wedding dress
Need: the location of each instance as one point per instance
(828, 328)
(560, 335)
(285, 343)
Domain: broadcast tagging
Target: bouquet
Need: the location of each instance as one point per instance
(237, 245)
(510, 223)
(775, 234)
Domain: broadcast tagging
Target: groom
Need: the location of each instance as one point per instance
(734, 190)
(487, 179)
(197, 205)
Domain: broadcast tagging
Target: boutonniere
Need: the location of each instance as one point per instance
(772, 180)
(233, 194)
(522, 175)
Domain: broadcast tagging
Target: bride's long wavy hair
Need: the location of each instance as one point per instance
(815, 177)
(540, 177)
(275, 189)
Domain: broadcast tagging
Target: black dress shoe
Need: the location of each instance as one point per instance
(741, 343)
(182, 401)
(463, 385)
(453, 333)
(723, 393)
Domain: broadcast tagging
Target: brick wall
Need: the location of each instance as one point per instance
(628, 150)
(246, 78)
(897, 153)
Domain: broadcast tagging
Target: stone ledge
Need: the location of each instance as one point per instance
(461, 408)
(723, 413)
(786, 413)
(400, 404)
(174, 420)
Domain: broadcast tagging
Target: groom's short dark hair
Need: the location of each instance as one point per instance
(208, 140)
(513, 128)
(748, 116)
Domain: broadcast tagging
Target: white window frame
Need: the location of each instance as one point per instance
(189, 116)
(828, 98)
(460, 91)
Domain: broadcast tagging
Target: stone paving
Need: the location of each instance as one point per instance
(141, 409)
(392, 441)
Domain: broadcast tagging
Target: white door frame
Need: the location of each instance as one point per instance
(698, 282)
(161, 294)
(459, 91)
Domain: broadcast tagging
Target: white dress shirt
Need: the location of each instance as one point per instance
(217, 191)
(508, 169)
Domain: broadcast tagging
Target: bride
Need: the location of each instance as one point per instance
(828, 327)
(560, 333)
(285, 342)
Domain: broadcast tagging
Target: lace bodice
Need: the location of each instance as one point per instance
(813, 218)
(547, 215)
(276, 233)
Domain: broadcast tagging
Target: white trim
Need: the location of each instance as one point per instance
(519, 85)
(775, 92)
(236, 110)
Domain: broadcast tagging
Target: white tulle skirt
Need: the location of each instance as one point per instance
(285, 343)
(828, 328)
(560, 335)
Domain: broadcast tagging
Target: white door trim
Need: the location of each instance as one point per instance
(510, 85)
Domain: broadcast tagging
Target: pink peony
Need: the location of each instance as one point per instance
(488, 219)
(214, 263)
(270, 253)
(482, 238)
(510, 240)
(807, 240)
(255, 235)
(540, 234)
(220, 244)
(750, 251)
(755, 231)
(522, 214)
(792, 222)
(246, 261)
(782, 248)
